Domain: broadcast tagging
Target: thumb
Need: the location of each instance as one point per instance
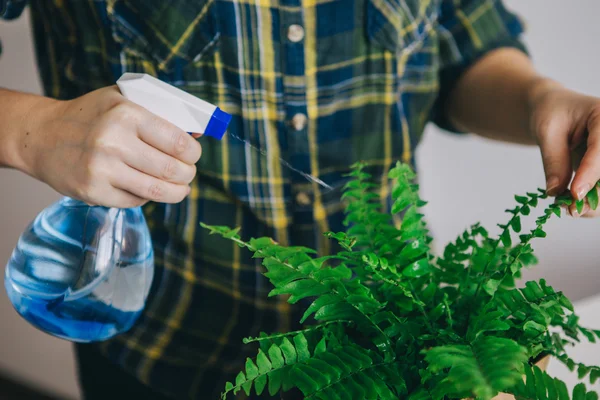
(556, 157)
(588, 172)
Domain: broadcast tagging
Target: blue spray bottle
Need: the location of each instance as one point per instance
(83, 273)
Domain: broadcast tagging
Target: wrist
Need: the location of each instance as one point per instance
(27, 116)
(537, 91)
(538, 88)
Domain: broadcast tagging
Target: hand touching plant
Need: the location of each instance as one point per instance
(566, 126)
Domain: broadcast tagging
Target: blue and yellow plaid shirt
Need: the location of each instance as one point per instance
(318, 83)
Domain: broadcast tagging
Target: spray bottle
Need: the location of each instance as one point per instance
(83, 273)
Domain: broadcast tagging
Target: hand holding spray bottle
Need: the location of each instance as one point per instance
(83, 273)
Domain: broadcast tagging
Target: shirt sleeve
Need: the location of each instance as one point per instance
(11, 9)
(468, 30)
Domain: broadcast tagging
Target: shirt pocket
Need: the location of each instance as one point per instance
(170, 33)
(400, 26)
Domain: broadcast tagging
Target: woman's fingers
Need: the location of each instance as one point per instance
(153, 162)
(149, 187)
(169, 139)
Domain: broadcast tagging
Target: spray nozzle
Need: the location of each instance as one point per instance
(183, 110)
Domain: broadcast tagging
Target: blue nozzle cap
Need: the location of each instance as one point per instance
(217, 125)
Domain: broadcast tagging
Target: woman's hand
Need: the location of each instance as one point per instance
(105, 150)
(566, 126)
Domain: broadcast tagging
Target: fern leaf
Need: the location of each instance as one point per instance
(592, 198)
(349, 371)
(533, 308)
(538, 385)
(271, 369)
(294, 272)
(487, 321)
(484, 368)
(583, 371)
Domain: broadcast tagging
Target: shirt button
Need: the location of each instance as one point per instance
(302, 199)
(299, 122)
(295, 33)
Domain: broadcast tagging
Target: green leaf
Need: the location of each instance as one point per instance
(491, 286)
(487, 366)
(414, 249)
(533, 329)
(516, 224)
(417, 269)
(274, 382)
(306, 379)
(251, 371)
(579, 392)
(264, 365)
(288, 350)
(539, 232)
(539, 385)
(582, 371)
(276, 356)
(241, 378)
(321, 347)
(487, 322)
(301, 347)
(579, 205)
(521, 199)
(594, 375)
(300, 289)
(247, 387)
(556, 211)
(592, 198)
(260, 383)
(319, 303)
(505, 237)
(401, 203)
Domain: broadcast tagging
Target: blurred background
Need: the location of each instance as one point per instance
(465, 179)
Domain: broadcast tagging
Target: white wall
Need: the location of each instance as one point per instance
(464, 179)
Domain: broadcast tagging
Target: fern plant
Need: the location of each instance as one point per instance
(390, 320)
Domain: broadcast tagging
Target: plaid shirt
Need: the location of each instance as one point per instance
(319, 83)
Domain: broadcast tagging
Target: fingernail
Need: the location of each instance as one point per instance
(552, 185)
(586, 208)
(583, 190)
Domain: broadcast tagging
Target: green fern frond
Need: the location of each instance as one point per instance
(583, 370)
(338, 297)
(493, 273)
(366, 223)
(483, 368)
(538, 385)
(534, 307)
(344, 372)
(349, 372)
(271, 368)
(488, 321)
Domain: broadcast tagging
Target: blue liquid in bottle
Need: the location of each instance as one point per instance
(82, 273)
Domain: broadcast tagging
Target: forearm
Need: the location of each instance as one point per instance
(493, 98)
(17, 126)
